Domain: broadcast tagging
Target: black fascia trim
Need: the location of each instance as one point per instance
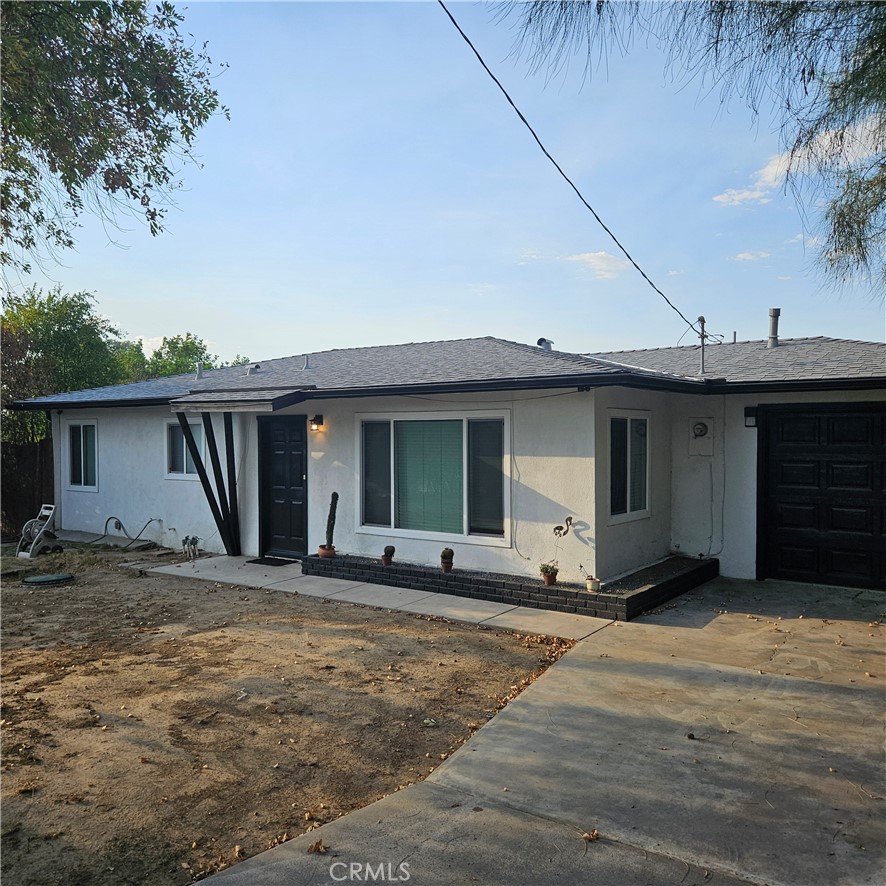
(829, 384)
(86, 404)
(512, 384)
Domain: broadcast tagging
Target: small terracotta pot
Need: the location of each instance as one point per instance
(446, 565)
(386, 561)
(550, 578)
(326, 552)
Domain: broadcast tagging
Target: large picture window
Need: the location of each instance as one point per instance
(444, 475)
(82, 455)
(178, 458)
(628, 465)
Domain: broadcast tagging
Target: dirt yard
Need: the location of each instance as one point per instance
(157, 729)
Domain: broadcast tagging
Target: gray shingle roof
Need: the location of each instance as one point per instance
(494, 363)
(794, 360)
(474, 360)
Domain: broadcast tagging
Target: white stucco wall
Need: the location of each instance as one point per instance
(131, 478)
(627, 543)
(714, 498)
(702, 495)
(551, 477)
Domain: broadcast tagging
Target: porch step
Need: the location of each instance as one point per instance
(653, 585)
(622, 600)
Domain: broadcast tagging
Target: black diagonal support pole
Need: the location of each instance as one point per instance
(204, 480)
(232, 481)
(209, 434)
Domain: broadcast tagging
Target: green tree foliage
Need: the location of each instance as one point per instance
(55, 342)
(101, 105)
(180, 354)
(131, 359)
(52, 342)
(822, 64)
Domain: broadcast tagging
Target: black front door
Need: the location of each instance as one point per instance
(283, 483)
(822, 515)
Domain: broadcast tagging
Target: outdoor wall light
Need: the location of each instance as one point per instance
(750, 416)
(316, 422)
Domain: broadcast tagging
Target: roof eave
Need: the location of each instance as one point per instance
(29, 406)
(269, 405)
(826, 384)
(590, 380)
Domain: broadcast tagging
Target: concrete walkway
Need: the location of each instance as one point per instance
(735, 736)
(239, 571)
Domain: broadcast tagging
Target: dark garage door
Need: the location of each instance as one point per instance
(822, 501)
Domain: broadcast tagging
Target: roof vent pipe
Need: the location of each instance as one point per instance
(251, 370)
(545, 344)
(701, 337)
(774, 314)
(199, 369)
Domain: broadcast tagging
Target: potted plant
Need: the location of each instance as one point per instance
(388, 556)
(549, 572)
(328, 550)
(446, 557)
(593, 584)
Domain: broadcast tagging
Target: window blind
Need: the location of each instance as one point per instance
(428, 472)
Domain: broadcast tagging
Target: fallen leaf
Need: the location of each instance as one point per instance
(319, 846)
(589, 837)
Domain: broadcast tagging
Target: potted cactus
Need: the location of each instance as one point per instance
(447, 555)
(388, 556)
(328, 550)
(549, 572)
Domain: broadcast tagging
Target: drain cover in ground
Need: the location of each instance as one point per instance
(48, 581)
(273, 561)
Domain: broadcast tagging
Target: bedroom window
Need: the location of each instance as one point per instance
(628, 465)
(178, 459)
(439, 475)
(82, 455)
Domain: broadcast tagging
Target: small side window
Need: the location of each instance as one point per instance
(82, 455)
(628, 465)
(178, 458)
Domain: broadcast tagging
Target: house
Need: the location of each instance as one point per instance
(772, 457)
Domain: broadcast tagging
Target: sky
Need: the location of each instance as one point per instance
(374, 187)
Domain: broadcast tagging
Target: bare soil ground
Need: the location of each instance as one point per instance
(157, 729)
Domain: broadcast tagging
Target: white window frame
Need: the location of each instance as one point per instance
(69, 484)
(184, 475)
(497, 541)
(629, 516)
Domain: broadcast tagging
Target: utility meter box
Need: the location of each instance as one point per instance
(701, 436)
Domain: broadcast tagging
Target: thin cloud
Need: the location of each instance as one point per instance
(150, 343)
(764, 181)
(529, 255)
(751, 255)
(851, 145)
(603, 265)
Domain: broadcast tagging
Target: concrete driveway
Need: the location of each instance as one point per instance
(735, 736)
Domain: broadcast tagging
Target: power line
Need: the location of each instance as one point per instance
(566, 178)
